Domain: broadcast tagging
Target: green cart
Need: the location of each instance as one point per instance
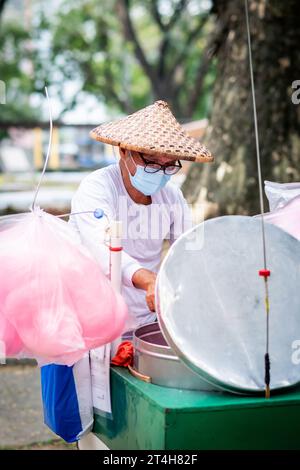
(148, 417)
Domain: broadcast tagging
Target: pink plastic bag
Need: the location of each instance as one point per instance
(55, 302)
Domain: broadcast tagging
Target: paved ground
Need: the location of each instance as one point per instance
(21, 417)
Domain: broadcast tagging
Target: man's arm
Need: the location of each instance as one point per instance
(145, 279)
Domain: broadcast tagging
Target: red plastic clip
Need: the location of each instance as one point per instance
(264, 272)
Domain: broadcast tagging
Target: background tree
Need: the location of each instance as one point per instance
(129, 53)
(230, 185)
(126, 53)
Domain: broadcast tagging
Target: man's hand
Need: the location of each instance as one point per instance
(145, 279)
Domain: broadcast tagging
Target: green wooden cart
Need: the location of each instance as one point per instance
(148, 417)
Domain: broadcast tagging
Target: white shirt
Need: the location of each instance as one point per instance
(145, 227)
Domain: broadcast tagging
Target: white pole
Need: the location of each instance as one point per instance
(115, 247)
(91, 441)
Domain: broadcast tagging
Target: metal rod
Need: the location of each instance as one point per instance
(267, 360)
(75, 213)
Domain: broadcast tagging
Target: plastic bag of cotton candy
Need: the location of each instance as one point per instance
(55, 301)
(284, 201)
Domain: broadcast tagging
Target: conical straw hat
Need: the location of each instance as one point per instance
(154, 131)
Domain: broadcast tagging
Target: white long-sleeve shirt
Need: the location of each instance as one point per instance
(145, 227)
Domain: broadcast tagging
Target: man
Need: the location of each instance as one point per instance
(138, 192)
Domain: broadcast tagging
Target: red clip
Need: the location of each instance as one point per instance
(264, 272)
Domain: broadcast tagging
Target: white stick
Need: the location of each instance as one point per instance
(115, 254)
(115, 266)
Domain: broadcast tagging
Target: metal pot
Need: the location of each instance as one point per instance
(155, 362)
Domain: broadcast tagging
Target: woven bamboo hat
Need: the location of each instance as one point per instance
(154, 131)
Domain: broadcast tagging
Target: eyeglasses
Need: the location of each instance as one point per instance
(153, 167)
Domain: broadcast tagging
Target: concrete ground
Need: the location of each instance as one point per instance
(21, 414)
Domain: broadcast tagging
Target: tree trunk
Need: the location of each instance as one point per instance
(230, 185)
(2, 5)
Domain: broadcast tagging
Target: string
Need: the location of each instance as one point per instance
(97, 213)
(265, 272)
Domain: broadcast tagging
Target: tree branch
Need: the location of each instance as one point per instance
(165, 27)
(178, 10)
(129, 32)
(110, 85)
(165, 43)
(210, 50)
(190, 38)
(156, 15)
(111, 90)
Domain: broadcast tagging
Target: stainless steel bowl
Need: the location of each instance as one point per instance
(155, 362)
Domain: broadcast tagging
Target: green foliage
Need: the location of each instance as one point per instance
(16, 58)
(88, 46)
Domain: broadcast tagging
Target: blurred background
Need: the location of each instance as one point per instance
(104, 59)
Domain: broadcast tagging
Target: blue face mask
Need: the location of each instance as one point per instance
(148, 183)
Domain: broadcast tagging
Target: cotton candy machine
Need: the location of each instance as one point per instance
(211, 330)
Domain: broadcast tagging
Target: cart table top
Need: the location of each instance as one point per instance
(147, 416)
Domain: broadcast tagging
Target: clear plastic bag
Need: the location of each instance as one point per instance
(279, 194)
(55, 301)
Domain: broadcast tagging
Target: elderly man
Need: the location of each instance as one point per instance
(138, 192)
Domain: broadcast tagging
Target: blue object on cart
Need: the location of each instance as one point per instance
(67, 399)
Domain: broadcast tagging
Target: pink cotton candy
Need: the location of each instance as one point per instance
(95, 312)
(45, 319)
(10, 338)
(55, 302)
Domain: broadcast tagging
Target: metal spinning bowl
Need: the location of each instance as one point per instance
(210, 303)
